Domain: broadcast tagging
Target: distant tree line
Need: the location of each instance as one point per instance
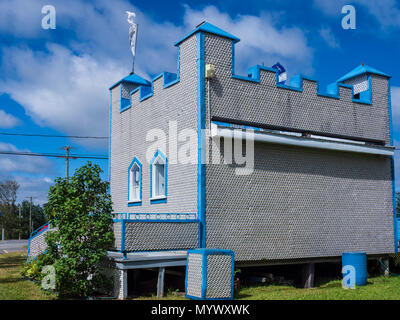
(15, 227)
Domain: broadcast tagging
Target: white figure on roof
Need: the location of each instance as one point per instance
(132, 35)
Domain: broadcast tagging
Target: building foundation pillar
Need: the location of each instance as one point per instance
(160, 282)
(121, 284)
(384, 266)
(308, 275)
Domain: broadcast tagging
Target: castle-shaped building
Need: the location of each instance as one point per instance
(320, 181)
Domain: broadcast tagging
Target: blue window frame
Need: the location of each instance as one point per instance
(158, 178)
(135, 183)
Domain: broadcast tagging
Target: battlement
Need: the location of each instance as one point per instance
(356, 106)
(296, 84)
(147, 91)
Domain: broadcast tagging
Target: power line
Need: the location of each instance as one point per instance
(54, 155)
(50, 135)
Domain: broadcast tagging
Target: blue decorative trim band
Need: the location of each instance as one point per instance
(201, 181)
(155, 201)
(158, 220)
(147, 90)
(296, 82)
(395, 220)
(157, 216)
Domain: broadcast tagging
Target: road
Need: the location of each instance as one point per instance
(7, 246)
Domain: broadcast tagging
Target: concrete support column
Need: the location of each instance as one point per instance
(121, 284)
(384, 266)
(160, 282)
(308, 275)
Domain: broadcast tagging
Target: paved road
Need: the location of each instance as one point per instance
(7, 246)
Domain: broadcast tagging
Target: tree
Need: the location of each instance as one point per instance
(38, 218)
(80, 210)
(8, 209)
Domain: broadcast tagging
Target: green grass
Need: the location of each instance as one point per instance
(379, 288)
(12, 285)
(168, 296)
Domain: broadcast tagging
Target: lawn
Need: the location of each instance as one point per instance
(12, 285)
(378, 288)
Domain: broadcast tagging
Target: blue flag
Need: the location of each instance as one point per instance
(281, 73)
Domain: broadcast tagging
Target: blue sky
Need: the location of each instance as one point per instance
(56, 81)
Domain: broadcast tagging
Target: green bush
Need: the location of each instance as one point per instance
(33, 269)
(79, 210)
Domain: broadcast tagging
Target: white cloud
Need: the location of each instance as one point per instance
(35, 187)
(20, 18)
(7, 120)
(386, 12)
(13, 163)
(263, 39)
(395, 95)
(62, 90)
(27, 171)
(328, 36)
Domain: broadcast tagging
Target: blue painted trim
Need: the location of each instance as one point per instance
(395, 220)
(205, 252)
(155, 201)
(367, 95)
(132, 78)
(157, 250)
(209, 28)
(36, 233)
(124, 103)
(147, 90)
(390, 113)
(38, 255)
(136, 203)
(109, 141)
(362, 70)
(39, 233)
(158, 220)
(136, 215)
(295, 83)
(29, 248)
(204, 275)
(162, 155)
(123, 236)
(201, 189)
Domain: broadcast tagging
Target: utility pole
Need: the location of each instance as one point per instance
(67, 149)
(2, 229)
(19, 219)
(30, 216)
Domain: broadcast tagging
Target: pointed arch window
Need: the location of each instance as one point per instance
(135, 183)
(158, 178)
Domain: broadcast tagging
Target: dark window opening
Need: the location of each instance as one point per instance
(357, 96)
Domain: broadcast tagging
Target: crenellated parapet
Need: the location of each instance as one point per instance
(356, 106)
(301, 105)
(145, 92)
